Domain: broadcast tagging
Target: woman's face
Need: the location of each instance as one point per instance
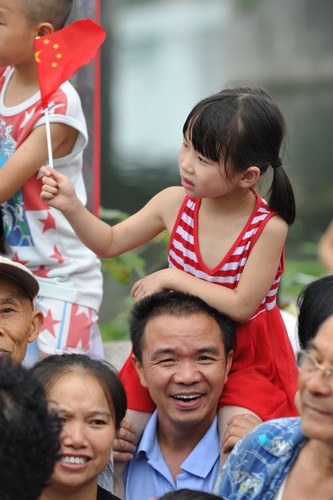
(88, 430)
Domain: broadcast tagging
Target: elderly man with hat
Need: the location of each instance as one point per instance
(20, 319)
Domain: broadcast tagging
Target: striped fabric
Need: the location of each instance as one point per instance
(183, 249)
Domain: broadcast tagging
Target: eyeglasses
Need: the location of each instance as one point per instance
(308, 364)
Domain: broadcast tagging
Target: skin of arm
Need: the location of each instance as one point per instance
(241, 303)
(31, 154)
(101, 238)
(325, 248)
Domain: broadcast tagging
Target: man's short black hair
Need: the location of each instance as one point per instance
(29, 443)
(176, 304)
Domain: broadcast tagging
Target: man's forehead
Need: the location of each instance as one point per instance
(179, 334)
(324, 337)
(195, 324)
(10, 287)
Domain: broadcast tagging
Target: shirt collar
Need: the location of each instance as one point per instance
(208, 448)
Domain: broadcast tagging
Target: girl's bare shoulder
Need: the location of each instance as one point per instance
(170, 197)
(277, 225)
(276, 230)
(169, 201)
(172, 193)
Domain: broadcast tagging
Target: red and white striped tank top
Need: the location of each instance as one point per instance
(184, 253)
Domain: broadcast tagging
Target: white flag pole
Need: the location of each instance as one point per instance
(48, 136)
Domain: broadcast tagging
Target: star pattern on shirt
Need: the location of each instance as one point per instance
(17, 259)
(49, 222)
(27, 117)
(49, 323)
(79, 328)
(42, 272)
(57, 255)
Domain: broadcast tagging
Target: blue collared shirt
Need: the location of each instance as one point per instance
(147, 474)
(260, 462)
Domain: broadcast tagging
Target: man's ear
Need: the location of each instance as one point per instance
(37, 320)
(250, 176)
(140, 371)
(228, 365)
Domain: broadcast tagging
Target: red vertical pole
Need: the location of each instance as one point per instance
(97, 123)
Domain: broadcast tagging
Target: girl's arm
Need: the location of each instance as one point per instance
(256, 280)
(101, 238)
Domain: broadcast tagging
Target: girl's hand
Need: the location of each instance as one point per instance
(57, 191)
(237, 427)
(153, 283)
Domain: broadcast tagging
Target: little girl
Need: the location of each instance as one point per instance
(222, 232)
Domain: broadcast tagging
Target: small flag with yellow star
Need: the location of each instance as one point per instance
(61, 53)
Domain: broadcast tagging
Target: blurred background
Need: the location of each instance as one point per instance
(161, 57)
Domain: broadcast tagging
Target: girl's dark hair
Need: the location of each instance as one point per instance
(315, 304)
(50, 369)
(244, 127)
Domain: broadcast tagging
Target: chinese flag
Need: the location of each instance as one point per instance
(61, 53)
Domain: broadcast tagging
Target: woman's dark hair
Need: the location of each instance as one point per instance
(315, 304)
(244, 127)
(50, 369)
(29, 446)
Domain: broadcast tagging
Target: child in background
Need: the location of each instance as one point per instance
(36, 235)
(226, 243)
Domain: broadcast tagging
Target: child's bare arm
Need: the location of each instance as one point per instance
(101, 238)
(31, 154)
(241, 303)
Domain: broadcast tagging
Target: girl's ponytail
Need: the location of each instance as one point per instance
(281, 195)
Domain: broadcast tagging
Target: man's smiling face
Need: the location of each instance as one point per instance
(184, 367)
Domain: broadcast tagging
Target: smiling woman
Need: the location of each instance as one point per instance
(90, 399)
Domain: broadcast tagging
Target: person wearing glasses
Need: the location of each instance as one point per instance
(291, 458)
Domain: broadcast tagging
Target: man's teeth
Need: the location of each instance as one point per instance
(187, 397)
(74, 460)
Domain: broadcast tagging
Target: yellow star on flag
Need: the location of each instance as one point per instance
(79, 42)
